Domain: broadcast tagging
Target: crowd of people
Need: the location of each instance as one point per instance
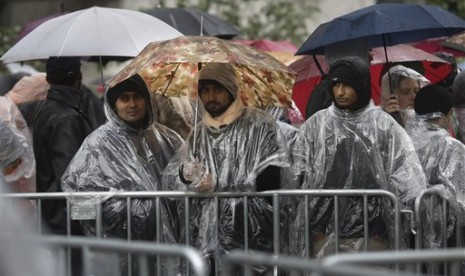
(79, 143)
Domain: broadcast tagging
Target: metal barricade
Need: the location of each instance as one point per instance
(445, 213)
(90, 248)
(409, 259)
(240, 263)
(277, 196)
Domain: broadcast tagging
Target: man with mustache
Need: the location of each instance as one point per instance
(235, 149)
(352, 145)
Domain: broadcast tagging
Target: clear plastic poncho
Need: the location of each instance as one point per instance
(234, 155)
(443, 160)
(116, 157)
(17, 160)
(363, 149)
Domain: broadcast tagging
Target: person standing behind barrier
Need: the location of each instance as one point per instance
(398, 89)
(352, 145)
(17, 162)
(458, 93)
(59, 129)
(128, 153)
(233, 149)
(441, 155)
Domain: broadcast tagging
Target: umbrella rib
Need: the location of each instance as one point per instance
(122, 21)
(69, 31)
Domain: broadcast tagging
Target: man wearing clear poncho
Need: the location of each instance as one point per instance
(128, 153)
(233, 149)
(441, 156)
(352, 145)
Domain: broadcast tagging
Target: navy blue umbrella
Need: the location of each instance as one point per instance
(385, 24)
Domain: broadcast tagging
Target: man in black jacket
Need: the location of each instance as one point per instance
(59, 129)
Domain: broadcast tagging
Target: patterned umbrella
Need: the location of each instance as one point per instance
(170, 68)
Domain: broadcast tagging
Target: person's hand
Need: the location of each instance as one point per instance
(192, 170)
(197, 176)
(391, 105)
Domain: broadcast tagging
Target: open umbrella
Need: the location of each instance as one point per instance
(170, 68)
(94, 31)
(385, 24)
(308, 74)
(195, 22)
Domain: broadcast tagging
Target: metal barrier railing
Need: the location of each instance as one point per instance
(241, 263)
(445, 211)
(411, 258)
(276, 195)
(89, 246)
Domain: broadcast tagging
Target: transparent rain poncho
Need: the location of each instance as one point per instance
(230, 158)
(363, 149)
(443, 160)
(116, 158)
(17, 160)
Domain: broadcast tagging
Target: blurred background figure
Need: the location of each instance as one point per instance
(28, 94)
(16, 159)
(458, 93)
(18, 255)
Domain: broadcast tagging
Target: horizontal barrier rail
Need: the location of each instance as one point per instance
(293, 265)
(114, 245)
(410, 257)
(276, 195)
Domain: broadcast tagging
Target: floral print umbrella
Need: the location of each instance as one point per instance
(170, 68)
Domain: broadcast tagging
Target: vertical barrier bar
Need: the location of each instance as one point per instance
(157, 230)
(187, 228)
(307, 229)
(129, 232)
(276, 232)
(99, 220)
(246, 226)
(39, 215)
(336, 223)
(68, 234)
(365, 222)
(217, 255)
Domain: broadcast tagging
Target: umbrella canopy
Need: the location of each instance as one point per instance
(170, 68)
(94, 31)
(29, 26)
(283, 50)
(385, 24)
(194, 22)
(433, 68)
(436, 67)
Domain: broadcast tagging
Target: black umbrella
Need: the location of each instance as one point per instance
(194, 22)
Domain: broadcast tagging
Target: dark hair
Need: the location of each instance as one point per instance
(63, 77)
(433, 98)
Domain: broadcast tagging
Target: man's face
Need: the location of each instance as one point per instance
(216, 99)
(130, 107)
(408, 89)
(344, 95)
